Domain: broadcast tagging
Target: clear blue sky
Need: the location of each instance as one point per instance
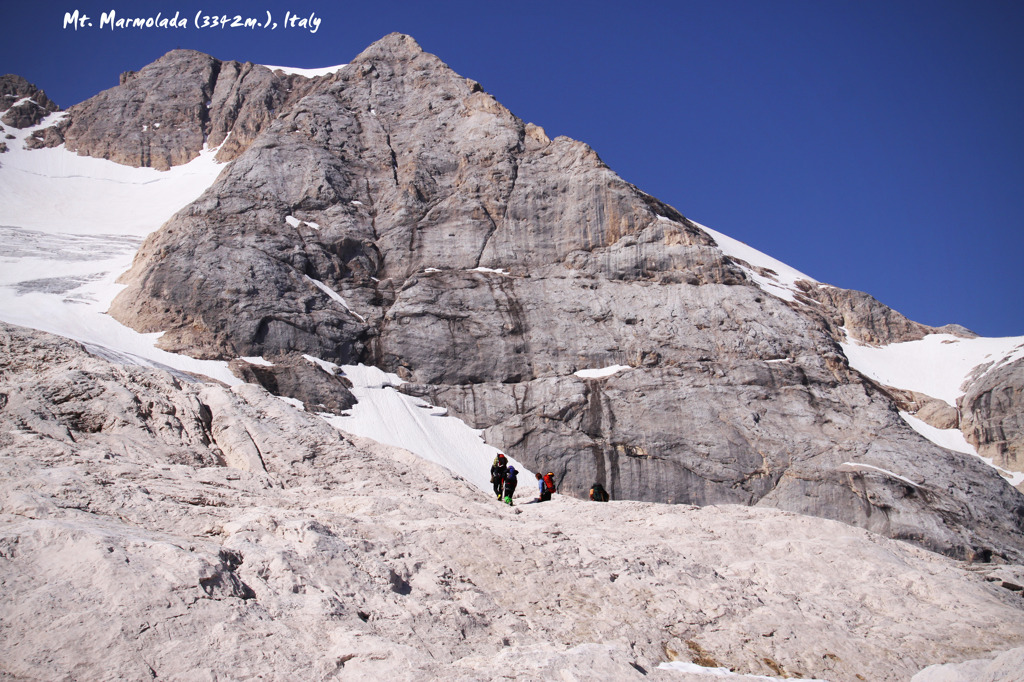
(874, 145)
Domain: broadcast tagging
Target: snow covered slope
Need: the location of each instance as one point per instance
(938, 366)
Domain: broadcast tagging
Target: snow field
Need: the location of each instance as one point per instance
(388, 416)
(936, 365)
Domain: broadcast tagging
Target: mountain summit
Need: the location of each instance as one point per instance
(393, 213)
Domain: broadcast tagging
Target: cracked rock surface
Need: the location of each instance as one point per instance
(156, 527)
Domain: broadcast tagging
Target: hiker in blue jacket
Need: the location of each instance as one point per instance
(511, 480)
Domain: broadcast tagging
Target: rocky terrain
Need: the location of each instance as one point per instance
(168, 529)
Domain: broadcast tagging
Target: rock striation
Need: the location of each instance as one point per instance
(152, 526)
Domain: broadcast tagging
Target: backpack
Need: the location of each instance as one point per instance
(599, 493)
(510, 476)
(549, 482)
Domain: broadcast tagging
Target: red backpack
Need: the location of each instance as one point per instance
(549, 482)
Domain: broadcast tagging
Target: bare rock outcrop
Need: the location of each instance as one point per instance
(993, 414)
(868, 320)
(293, 376)
(396, 214)
(152, 527)
(932, 411)
(22, 104)
(164, 114)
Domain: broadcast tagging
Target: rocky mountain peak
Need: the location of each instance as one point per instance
(395, 214)
(22, 104)
(394, 47)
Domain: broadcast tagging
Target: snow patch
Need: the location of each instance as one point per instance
(600, 373)
(937, 365)
(295, 222)
(953, 439)
(498, 271)
(335, 296)
(782, 284)
(258, 361)
(326, 366)
(307, 73)
(388, 416)
(857, 465)
(694, 669)
(294, 402)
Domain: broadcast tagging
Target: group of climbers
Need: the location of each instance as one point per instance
(504, 479)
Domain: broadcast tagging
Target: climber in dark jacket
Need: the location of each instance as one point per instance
(498, 471)
(511, 480)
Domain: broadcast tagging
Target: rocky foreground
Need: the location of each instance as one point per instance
(154, 527)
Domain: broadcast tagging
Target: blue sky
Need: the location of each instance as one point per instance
(876, 146)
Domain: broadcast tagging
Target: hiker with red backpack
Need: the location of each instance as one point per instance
(546, 486)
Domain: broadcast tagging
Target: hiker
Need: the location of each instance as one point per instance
(498, 471)
(511, 480)
(598, 493)
(546, 486)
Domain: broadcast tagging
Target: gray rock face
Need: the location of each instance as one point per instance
(164, 114)
(22, 104)
(296, 377)
(993, 415)
(366, 223)
(152, 527)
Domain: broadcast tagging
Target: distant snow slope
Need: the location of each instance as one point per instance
(70, 226)
(938, 366)
(781, 284)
